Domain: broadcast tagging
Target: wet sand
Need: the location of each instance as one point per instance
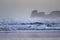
(29, 38)
(29, 35)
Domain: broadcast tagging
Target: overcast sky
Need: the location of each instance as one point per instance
(23, 8)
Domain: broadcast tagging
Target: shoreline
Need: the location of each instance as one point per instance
(29, 34)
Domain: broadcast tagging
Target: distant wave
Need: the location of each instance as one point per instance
(30, 24)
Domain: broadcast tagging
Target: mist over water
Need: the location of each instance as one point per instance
(22, 9)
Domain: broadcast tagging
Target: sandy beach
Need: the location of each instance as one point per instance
(29, 36)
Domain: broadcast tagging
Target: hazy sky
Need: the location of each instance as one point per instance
(23, 8)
